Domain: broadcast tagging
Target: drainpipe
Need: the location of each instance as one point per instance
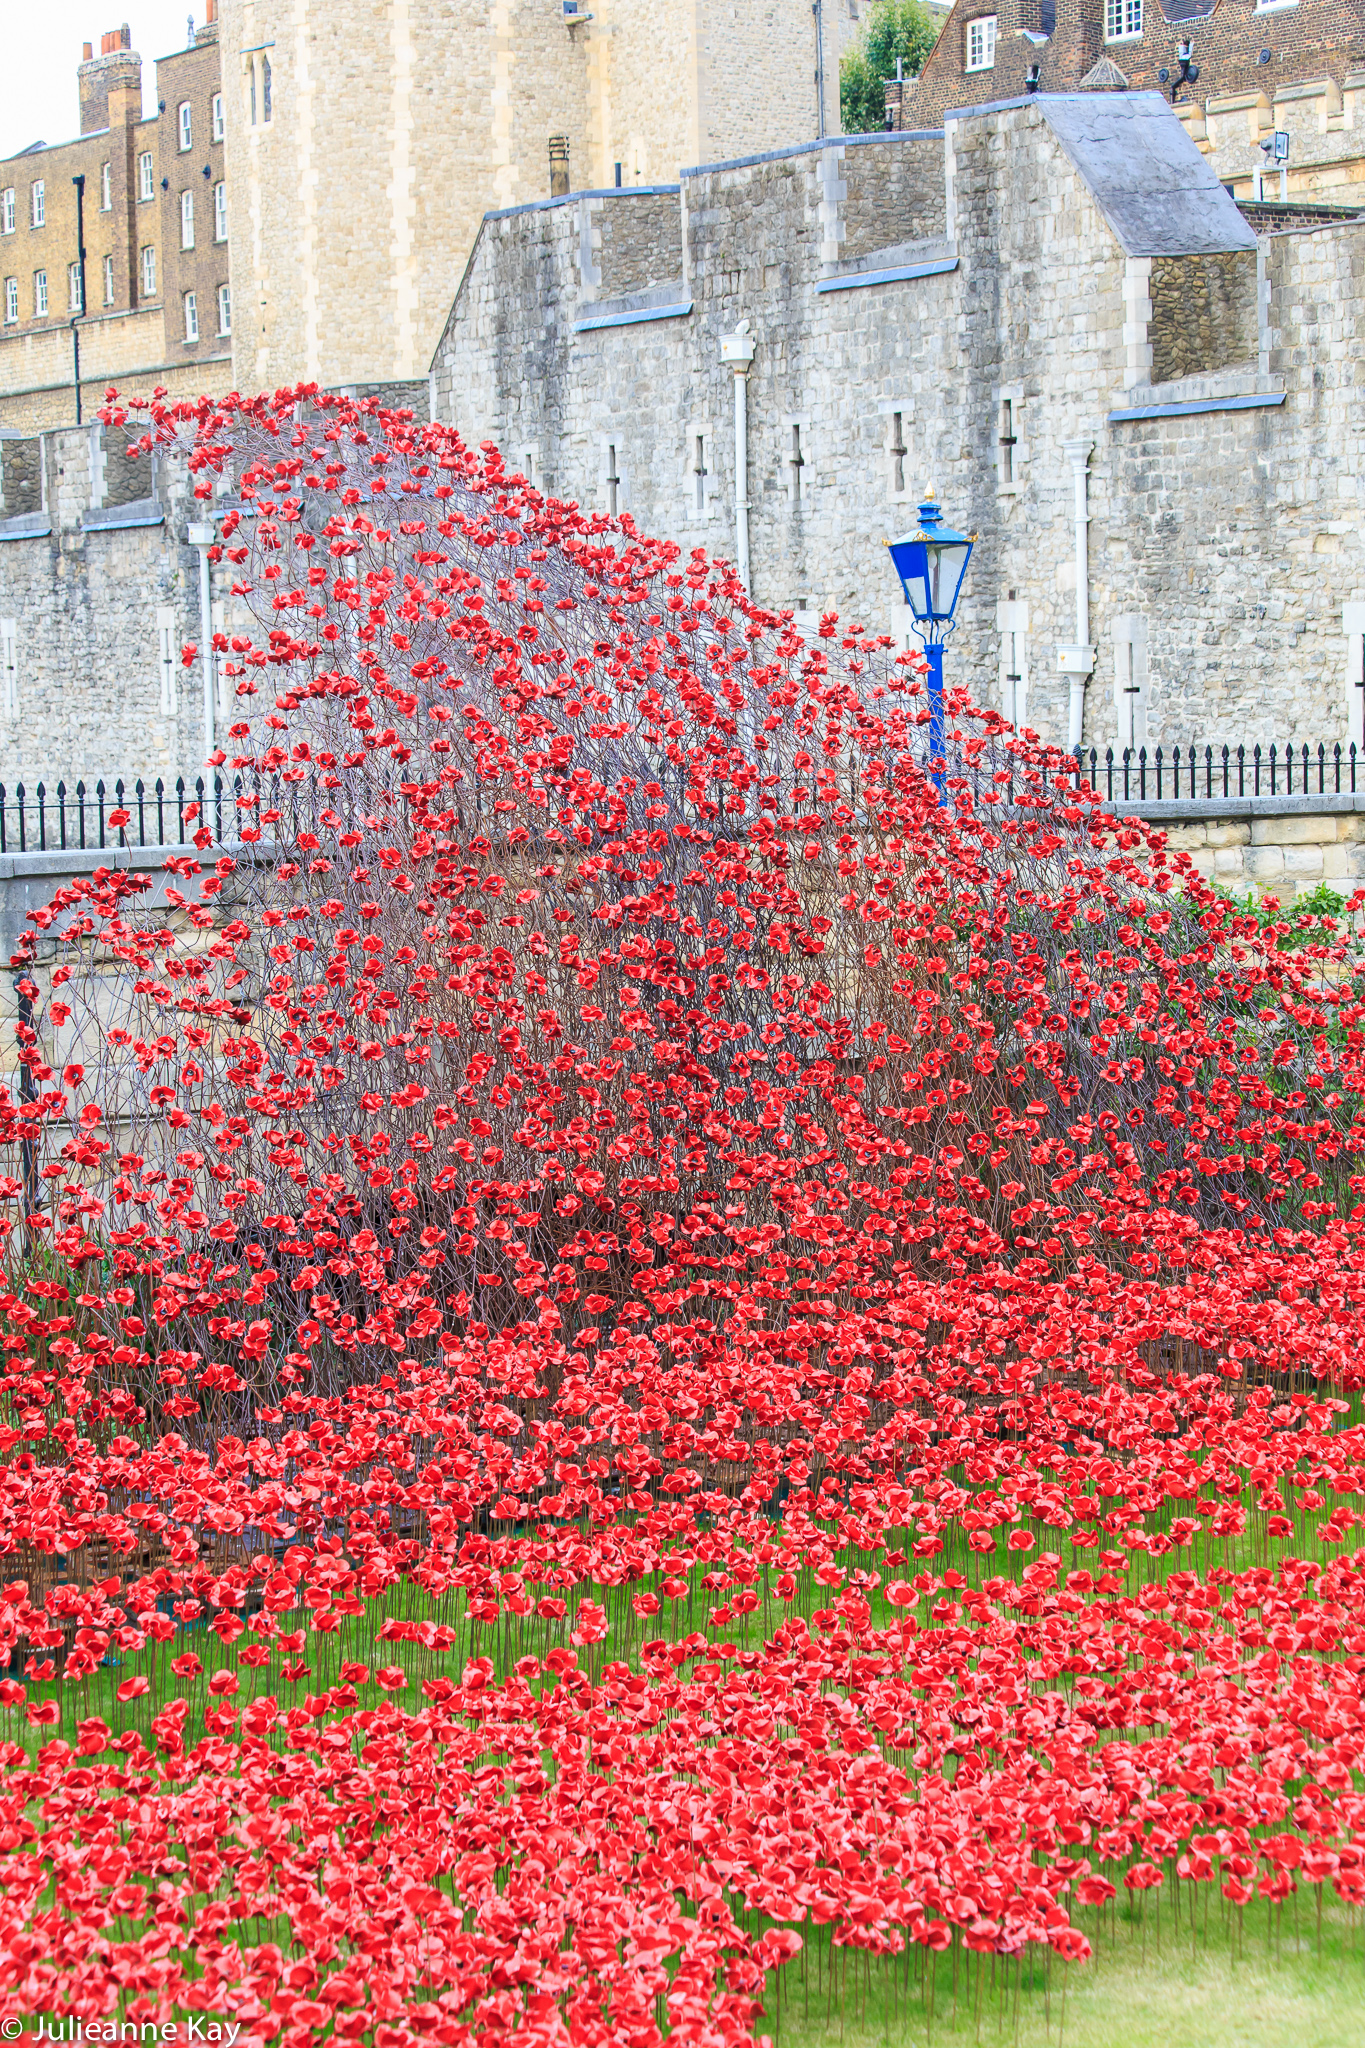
(1078, 660)
(737, 350)
(201, 537)
(817, 9)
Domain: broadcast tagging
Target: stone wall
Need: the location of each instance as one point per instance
(892, 196)
(393, 129)
(101, 588)
(636, 242)
(1225, 555)
(1286, 847)
(1203, 314)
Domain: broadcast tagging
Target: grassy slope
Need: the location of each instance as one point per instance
(1268, 1996)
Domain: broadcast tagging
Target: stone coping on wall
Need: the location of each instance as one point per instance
(1235, 810)
(1186, 408)
(28, 881)
(932, 258)
(567, 199)
(139, 512)
(776, 156)
(35, 526)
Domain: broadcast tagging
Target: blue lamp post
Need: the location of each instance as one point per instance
(931, 563)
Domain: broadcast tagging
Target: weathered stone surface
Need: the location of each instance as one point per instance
(1231, 537)
(1308, 831)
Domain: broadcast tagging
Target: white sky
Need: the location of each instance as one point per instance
(40, 48)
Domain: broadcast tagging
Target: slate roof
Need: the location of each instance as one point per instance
(1158, 194)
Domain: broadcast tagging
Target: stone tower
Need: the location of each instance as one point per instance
(366, 141)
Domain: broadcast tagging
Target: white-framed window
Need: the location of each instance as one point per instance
(39, 294)
(216, 116)
(7, 211)
(1011, 618)
(73, 288)
(1130, 681)
(149, 273)
(106, 188)
(108, 280)
(1272, 6)
(187, 220)
(981, 43)
(11, 300)
(146, 176)
(224, 309)
(37, 203)
(191, 316)
(220, 213)
(166, 650)
(1122, 20)
(186, 125)
(9, 667)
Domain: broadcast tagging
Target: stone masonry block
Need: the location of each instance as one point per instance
(1303, 862)
(1265, 863)
(1293, 831)
(1228, 863)
(1185, 838)
(1351, 826)
(1220, 834)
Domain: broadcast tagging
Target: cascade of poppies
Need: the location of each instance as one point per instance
(599, 1109)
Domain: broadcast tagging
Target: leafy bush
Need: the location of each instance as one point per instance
(895, 28)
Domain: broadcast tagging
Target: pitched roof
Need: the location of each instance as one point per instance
(1158, 194)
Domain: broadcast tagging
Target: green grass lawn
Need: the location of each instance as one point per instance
(1275, 1993)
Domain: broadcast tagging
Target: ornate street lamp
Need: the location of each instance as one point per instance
(931, 563)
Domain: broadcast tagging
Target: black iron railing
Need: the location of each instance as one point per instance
(1145, 775)
(76, 818)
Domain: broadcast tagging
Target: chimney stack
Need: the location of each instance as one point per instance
(117, 66)
(897, 90)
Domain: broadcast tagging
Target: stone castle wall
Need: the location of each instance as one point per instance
(1204, 314)
(393, 130)
(1225, 534)
(100, 584)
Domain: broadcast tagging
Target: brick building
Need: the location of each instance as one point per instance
(158, 304)
(1292, 67)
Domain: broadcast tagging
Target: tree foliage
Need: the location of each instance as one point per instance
(896, 28)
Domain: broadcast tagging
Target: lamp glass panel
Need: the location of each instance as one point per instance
(947, 565)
